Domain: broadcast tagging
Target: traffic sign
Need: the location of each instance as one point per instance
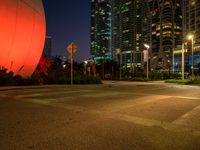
(72, 48)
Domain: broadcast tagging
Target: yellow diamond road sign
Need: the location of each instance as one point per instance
(72, 48)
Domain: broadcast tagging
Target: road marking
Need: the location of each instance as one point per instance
(47, 94)
(185, 97)
(168, 96)
(121, 117)
(48, 102)
(113, 115)
(192, 113)
(156, 123)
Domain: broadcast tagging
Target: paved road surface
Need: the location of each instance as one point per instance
(112, 116)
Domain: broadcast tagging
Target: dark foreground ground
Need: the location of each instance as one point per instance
(112, 116)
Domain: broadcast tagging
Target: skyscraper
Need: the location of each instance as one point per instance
(48, 47)
(166, 31)
(191, 17)
(101, 29)
(129, 31)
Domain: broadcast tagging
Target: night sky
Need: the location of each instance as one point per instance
(67, 21)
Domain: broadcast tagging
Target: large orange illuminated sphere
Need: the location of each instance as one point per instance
(22, 35)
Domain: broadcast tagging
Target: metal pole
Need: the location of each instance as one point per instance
(147, 63)
(192, 59)
(183, 63)
(120, 65)
(72, 67)
(103, 68)
(173, 62)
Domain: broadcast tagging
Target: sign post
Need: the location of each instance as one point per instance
(72, 48)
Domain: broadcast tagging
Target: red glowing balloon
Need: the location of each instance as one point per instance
(22, 35)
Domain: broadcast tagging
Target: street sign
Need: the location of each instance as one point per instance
(72, 48)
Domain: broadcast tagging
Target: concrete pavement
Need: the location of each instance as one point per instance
(114, 115)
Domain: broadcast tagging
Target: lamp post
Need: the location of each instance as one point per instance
(85, 67)
(147, 47)
(191, 37)
(103, 65)
(94, 67)
(118, 51)
(183, 61)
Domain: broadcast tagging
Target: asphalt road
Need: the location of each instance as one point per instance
(111, 116)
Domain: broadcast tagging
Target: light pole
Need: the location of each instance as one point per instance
(118, 51)
(94, 67)
(183, 61)
(191, 37)
(85, 67)
(147, 47)
(103, 65)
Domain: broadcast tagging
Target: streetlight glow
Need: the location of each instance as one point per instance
(118, 52)
(147, 46)
(190, 37)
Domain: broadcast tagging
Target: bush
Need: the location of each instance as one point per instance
(187, 81)
(177, 81)
(87, 80)
(33, 80)
(6, 78)
(58, 76)
(194, 82)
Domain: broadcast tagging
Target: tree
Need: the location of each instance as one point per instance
(42, 69)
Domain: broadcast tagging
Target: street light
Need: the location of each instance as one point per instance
(85, 67)
(147, 46)
(103, 65)
(183, 61)
(191, 37)
(118, 52)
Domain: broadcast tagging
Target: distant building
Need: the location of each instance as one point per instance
(166, 31)
(124, 26)
(191, 25)
(177, 59)
(191, 18)
(48, 47)
(101, 29)
(130, 28)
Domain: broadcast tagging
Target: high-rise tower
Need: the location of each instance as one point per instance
(101, 29)
(48, 47)
(166, 31)
(191, 17)
(129, 31)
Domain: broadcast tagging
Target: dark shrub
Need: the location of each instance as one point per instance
(6, 78)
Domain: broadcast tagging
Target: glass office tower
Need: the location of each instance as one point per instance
(101, 29)
(166, 31)
(130, 28)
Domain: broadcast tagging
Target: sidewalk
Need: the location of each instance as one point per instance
(5, 88)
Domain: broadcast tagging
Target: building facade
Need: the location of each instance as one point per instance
(48, 47)
(166, 31)
(101, 29)
(191, 18)
(130, 29)
(177, 59)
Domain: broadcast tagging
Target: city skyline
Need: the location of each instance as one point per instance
(128, 25)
